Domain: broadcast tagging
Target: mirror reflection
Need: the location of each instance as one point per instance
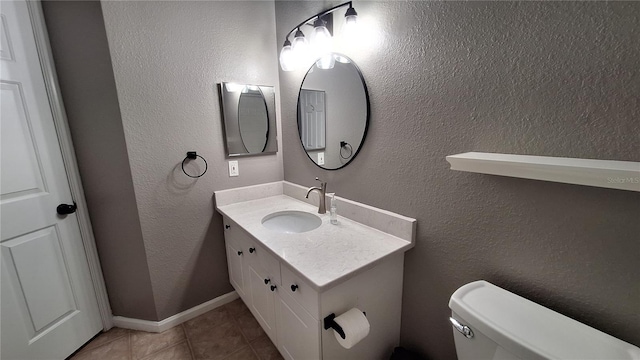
(333, 111)
(248, 113)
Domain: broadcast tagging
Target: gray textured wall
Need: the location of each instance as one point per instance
(161, 244)
(167, 58)
(540, 78)
(83, 64)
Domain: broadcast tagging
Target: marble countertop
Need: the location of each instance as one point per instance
(324, 256)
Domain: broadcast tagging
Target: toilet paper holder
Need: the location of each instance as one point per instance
(330, 323)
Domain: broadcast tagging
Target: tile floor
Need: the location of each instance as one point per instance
(229, 332)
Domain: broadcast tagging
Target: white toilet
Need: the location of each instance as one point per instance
(493, 323)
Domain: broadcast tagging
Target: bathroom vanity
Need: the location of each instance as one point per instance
(291, 281)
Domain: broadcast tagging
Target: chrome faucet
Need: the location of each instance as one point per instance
(322, 205)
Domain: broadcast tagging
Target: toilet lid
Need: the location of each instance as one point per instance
(530, 330)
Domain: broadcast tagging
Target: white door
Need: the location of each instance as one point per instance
(48, 306)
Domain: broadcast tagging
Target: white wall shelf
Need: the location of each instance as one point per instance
(621, 175)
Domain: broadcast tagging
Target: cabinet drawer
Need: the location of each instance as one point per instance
(262, 261)
(252, 252)
(299, 290)
(269, 264)
(235, 236)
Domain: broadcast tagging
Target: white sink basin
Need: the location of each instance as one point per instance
(291, 221)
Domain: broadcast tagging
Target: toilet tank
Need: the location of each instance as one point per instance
(507, 326)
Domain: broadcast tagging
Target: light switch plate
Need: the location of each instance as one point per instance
(233, 168)
(321, 158)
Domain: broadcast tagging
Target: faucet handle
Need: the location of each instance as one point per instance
(323, 184)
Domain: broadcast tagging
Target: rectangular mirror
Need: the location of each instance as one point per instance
(249, 119)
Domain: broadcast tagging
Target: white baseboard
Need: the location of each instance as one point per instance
(168, 323)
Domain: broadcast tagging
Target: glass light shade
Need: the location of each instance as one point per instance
(299, 43)
(321, 40)
(341, 59)
(326, 62)
(287, 59)
(351, 20)
(300, 47)
(350, 23)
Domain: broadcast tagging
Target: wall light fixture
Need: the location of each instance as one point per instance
(294, 54)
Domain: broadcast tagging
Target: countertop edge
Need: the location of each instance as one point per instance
(326, 286)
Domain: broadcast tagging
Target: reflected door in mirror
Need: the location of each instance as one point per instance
(312, 119)
(333, 112)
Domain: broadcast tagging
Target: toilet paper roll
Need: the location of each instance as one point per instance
(355, 326)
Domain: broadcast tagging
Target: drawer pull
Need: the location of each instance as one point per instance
(266, 281)
(227, 226)
(294, 287)
(252, 250)
(239, 253)
(273, 288)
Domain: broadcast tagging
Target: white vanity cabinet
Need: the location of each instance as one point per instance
(256, 276)
(291, 312)
(291, 282)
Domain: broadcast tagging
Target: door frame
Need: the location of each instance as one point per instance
(63, 133)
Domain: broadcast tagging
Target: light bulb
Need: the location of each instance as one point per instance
(350, 22)
(299, 47)
(326, 62)
(321, 38)
(287, 58)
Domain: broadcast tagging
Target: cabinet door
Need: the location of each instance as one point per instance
(235, 259)
(262, 300)
(298, 332)
(302, 292)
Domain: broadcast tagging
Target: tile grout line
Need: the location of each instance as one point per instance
(255, 352)
(235, 321)
(130, 345)
(84, 348)
(250, 342)
(237, 350)
(148, 356)
(186, 335)
(170, 345)
(223, 323)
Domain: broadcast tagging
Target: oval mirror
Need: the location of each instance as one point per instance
(333, 111)
(253, 121)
